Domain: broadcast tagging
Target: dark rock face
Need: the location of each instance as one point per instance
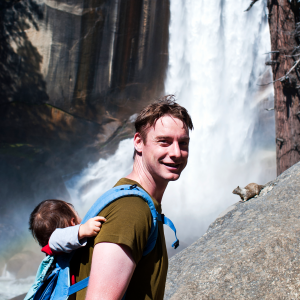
(251, 251)
(72, 72)
(96, 61)
(85, 56)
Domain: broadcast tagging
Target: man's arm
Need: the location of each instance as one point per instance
(111, 271)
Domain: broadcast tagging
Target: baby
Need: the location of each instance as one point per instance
(56, 226)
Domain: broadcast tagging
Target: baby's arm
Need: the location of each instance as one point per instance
(73, 237)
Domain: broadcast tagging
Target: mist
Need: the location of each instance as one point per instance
(217, 55)
(216, 66)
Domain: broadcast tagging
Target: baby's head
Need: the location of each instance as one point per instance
(49, 215)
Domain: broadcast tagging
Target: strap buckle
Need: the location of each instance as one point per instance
(134, 186)
(175, 244)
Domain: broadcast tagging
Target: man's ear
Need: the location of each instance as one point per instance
(138, 142)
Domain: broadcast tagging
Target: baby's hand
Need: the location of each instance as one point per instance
(91, 227)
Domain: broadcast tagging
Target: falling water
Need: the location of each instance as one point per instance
(217, 54)
(217, 61)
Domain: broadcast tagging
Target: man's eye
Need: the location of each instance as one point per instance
(164, 142)
(184, 143)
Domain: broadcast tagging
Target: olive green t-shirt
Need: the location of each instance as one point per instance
(129, 223)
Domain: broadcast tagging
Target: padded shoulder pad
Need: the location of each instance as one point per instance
(126, 191)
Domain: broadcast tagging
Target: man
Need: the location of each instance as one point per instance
(114, 258)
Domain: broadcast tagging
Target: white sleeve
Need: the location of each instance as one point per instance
(66, 239)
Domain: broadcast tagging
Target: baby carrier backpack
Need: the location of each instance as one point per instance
(52, 280)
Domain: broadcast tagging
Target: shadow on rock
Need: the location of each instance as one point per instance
(20, 77)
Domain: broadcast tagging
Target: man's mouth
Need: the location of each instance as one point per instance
(171, 165)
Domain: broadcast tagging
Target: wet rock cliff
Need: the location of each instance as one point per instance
(72, 75)
(251, 251)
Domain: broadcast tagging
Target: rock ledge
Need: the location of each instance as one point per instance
(251, 251)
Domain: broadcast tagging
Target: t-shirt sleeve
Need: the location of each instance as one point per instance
(66, 239)
(128, 223)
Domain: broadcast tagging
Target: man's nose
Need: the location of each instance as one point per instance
(175, 150)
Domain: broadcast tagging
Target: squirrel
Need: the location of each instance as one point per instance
(249, 191)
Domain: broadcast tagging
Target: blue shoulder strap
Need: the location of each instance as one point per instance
(129, 191)
(106, 199)
(40, 275)
(63, 282)
(162, 218)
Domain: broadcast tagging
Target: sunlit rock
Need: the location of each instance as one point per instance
(250, 252)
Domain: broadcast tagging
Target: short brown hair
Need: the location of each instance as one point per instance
(164, 106)
(47, 216)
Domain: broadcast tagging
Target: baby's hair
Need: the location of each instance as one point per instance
(49, 215)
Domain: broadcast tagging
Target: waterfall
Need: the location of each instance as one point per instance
(217, 61)
(216, 68)
(217, 54)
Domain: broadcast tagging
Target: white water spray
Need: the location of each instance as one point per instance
(216, 63)
(11, 287)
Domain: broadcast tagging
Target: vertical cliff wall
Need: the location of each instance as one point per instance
(283, 18)
(72, 73)
(97, 60)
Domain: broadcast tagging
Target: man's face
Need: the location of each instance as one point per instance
(165, 152)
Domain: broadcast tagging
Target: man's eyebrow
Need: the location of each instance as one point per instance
(162, 137)
(185, 138)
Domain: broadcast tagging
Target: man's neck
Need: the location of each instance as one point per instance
(144, 178)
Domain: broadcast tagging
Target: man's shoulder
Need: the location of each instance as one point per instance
(134, 205)
(126, 181)
(128, 222)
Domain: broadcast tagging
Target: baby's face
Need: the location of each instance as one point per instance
(78, 219)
